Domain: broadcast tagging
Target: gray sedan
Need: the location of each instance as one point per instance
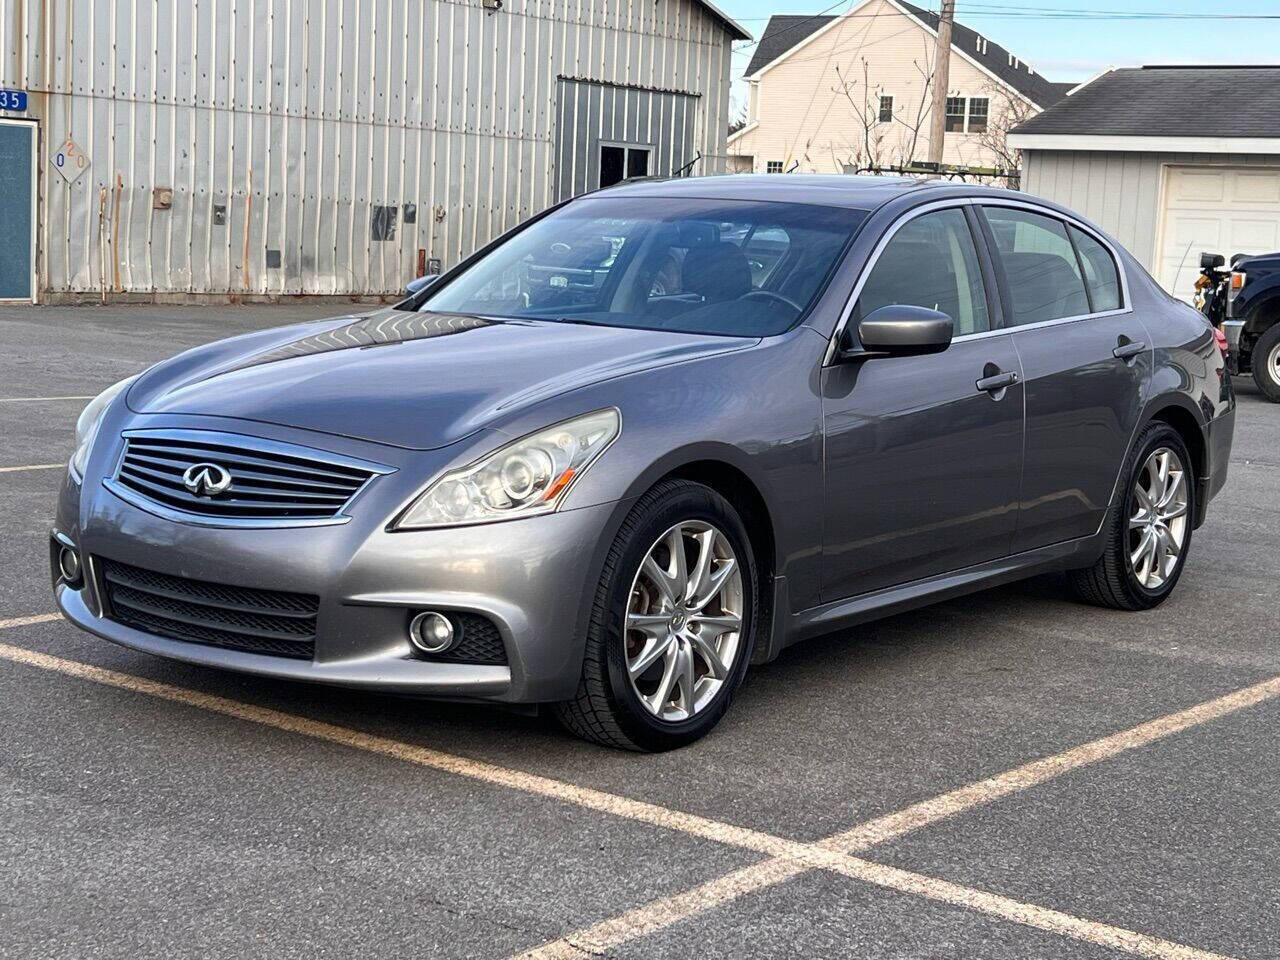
(649, 438)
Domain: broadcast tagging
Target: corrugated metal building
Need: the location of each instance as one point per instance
(274, 147)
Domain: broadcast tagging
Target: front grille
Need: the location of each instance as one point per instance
(269, 622)
(267, 482)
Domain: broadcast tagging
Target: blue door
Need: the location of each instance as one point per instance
(17, 186)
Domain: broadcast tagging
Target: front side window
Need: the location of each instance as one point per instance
(930, 262)
(727, 267)
(1100, 271)
(886, 109)
(1040, 265)
(978, 107)
(955, 115)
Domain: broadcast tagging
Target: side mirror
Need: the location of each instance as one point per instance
(418, 284)
(900, 330)
(1211, 261)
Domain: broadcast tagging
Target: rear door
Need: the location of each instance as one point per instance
(1086, 359)
(922, 465)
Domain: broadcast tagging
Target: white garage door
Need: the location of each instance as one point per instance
(1222, 210)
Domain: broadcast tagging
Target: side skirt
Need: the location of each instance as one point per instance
(840, 614)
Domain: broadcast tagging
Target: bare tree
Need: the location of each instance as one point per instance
(896, 140)
(739, 119)
(1006, 109)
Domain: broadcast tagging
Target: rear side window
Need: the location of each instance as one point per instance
(1100, 271)
(1040, 264)
(931, 262)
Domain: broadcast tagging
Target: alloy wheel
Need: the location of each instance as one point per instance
(684, 621)
(1273, 363)
(1158, 521)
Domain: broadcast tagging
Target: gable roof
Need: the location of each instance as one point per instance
(786, 31)
(734, 28)
(1167, 102)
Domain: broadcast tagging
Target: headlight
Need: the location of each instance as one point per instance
(522, 479)
(87, 425)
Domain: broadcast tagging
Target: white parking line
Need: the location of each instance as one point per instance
(787, 858)
(39, 399)
(33, 466)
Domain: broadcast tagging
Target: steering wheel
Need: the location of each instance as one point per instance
(770, 295)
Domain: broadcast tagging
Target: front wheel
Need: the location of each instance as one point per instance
(1149, 534)
(1266, 363)
(672, 626)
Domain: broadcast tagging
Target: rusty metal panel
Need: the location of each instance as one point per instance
(280, 126)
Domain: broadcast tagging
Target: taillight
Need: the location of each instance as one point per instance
(1220, 339)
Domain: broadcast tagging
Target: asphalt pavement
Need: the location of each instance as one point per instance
(1008, 775)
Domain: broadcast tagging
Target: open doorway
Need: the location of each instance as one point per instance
(620, 162)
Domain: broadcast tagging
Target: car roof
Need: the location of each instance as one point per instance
(861, 192)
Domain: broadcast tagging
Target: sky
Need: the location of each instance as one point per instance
(1076, 48)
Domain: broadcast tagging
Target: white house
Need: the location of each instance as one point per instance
(833, 94)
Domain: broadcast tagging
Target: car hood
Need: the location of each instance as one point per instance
(415, 380)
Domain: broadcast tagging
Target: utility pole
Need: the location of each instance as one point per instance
(941, 82)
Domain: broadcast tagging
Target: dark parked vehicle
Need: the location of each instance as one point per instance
(569, 474)
(1252, 323)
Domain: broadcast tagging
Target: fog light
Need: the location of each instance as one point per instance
(69, 564)
(431, 632)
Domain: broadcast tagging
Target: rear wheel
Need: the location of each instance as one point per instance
(1149, 535)
(1266, 363)
(672, 625)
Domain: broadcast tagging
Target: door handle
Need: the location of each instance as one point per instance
(998, 382)
(1127, 351)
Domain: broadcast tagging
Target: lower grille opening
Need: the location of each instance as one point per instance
(270, 622)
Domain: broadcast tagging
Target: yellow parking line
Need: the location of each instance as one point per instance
(34, 466)
(786, 858)
(654, 917)
(28, 621)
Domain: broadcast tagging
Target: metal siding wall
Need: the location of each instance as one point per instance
(332, 107)
(592, 113)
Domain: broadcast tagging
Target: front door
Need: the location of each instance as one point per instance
(1085, 358)
(17, 209)
(922, 466)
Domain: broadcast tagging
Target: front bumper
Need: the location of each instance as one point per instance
(529, 577)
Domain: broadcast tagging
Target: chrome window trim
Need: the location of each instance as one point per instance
(949, 203)
(952, 202)
(248, 443)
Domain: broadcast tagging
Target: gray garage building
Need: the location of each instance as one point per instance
(1172, 161)
(268, 147)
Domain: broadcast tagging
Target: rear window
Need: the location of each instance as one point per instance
(728, 267)
(1100, 271)
(1040, 264)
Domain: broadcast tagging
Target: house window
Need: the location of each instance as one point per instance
(955, 115)
(886, 109)
(773, 166)
(978, 114)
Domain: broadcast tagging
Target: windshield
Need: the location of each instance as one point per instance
(734, 268)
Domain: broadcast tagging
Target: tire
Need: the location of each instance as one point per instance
(1116, 581)
(609, 708)
(1266, 363)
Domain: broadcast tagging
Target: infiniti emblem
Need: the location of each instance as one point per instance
(206, 479)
